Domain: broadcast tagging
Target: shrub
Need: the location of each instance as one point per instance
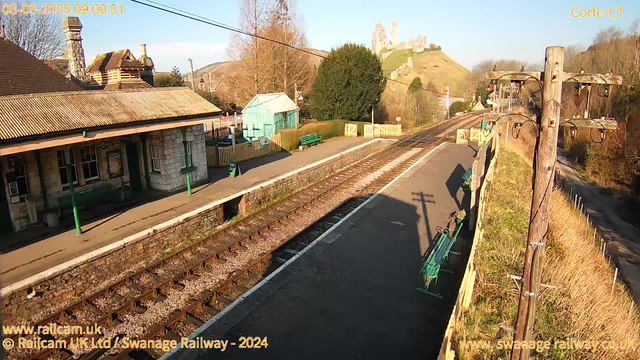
(326, 130)
(459, 106)
(349, 83)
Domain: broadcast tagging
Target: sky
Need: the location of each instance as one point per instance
(468, 31)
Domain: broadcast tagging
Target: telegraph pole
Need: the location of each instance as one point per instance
(448, 115)
(545, 160)
(193, 84)
(544, 169)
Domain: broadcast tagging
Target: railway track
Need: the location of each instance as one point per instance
(172, 298)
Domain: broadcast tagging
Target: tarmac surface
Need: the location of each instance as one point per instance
(32, 257)
(353, 294)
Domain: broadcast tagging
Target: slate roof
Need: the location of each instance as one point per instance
(39, 114)
(275, 102)
(121, 59)
(22, 73)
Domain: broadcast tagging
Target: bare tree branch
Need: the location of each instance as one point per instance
(38, 34)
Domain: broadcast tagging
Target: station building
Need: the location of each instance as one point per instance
(60, 135)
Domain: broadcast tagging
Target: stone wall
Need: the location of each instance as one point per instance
(171, 177)
(289, 185)
(64, 289)
(51, 176)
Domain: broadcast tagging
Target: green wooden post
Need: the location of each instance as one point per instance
(186, 159)
(43, 187)
(67, 160)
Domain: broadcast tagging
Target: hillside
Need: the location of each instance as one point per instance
(225, 67)
(430, 66)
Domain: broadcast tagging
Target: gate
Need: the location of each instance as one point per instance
(368, 131)
(351, 130)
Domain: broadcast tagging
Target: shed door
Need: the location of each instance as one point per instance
(268, 130)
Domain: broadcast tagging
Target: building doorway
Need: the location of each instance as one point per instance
(133, 162)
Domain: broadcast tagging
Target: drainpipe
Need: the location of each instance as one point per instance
(67, 160)
(43, 187)
(186, 159)
(145, 159)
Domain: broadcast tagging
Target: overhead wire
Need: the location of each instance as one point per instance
(202, 19)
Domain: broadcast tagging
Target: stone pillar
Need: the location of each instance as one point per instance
(75, 53)
(394, 34)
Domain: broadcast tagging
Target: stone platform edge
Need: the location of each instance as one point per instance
(328, 237)
(132, 239)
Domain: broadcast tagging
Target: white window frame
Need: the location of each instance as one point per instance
(72, 155)
(189, 153)
(155, 158)
(93, 158)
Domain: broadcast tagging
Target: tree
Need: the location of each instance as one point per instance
(173, 79)
(288, 66)
(459, 106)
(264, 66)
(349, 83)
(420, 106)
(482, 93)
(416, 85)
(431, 86)
(38, 34)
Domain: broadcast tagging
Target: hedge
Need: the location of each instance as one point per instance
(326, 130)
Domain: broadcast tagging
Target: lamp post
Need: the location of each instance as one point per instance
(209, 83)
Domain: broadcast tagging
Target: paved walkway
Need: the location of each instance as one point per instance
(32, 259)
(621, 237)
(353, 293)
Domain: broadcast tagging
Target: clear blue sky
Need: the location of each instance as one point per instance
(468, 31)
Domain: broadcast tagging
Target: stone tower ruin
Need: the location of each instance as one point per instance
(394, 34)
(379, 39)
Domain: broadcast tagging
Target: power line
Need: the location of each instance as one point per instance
(202, 19)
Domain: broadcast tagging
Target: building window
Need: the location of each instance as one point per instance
(155, 158)
(89, 162)
(17, 180)
(62, 169)
(189, 155)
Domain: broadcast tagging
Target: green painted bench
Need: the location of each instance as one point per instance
(310, 139)
(88, 197)
(466, 179)
(432, 265)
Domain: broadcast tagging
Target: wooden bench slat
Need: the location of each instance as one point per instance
(310, 139)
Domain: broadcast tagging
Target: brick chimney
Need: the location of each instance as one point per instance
(149, 67)
(75, 53)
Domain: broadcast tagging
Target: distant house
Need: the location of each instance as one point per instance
(57, 138)
(266, 113)
(121, 70)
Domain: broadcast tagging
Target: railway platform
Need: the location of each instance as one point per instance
(24, 256)
(352, 292)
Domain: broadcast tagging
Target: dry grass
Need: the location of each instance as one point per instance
(583, 307)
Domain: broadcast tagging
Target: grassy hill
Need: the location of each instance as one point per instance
(430, 66)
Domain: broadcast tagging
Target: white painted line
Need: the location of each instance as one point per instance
(219, 315)
(7, 290)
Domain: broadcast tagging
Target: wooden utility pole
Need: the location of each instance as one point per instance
(193, 83)
(544, 169)
(545, 159)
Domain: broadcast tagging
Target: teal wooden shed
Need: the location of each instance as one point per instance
(266, 113)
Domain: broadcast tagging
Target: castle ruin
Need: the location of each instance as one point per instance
(379, 40)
